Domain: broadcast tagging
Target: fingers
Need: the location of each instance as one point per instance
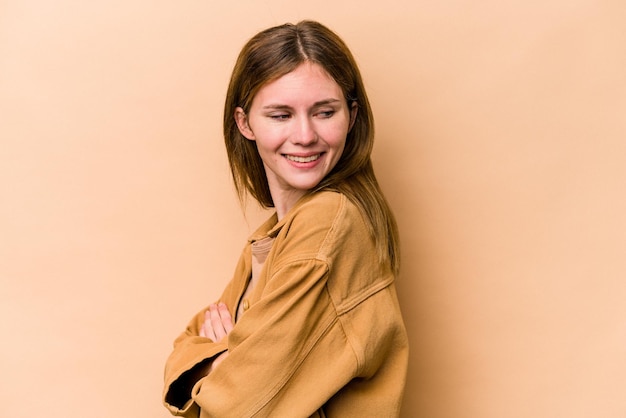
(227, 320)
(207, 330)
(217, 322)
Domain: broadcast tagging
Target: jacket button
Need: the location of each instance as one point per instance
(246, 304)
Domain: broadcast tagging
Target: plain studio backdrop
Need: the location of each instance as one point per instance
(501, 146)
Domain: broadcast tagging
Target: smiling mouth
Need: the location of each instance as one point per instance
(297, 159)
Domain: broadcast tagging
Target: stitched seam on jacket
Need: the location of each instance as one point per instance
(351, 341)
(321, 253)
(365, 294)
(329, 240)
(323, 249)
(255, 409)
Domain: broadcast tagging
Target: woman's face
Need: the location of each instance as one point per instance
(300, 123)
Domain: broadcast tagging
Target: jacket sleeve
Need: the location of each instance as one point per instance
(288, 354)
(192, 354)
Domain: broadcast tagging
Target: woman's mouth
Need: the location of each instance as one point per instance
(306, 159)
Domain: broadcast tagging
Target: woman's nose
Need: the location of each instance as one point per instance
(305, 134)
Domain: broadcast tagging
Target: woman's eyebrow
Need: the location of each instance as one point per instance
(325, 102)
(277, 106)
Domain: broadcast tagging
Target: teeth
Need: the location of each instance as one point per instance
(303, 159)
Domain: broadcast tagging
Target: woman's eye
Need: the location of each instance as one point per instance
(326, 114)
(280, 116)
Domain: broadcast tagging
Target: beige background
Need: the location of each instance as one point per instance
(501, 147)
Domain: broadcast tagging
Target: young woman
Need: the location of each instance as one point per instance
(309, 325)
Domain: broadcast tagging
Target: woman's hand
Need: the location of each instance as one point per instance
(217, 322)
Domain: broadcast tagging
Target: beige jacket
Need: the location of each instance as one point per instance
(323, 336)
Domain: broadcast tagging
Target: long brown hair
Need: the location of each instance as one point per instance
(268, 56)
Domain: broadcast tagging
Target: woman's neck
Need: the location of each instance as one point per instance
(285, 200)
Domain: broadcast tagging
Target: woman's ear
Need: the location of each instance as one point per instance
(241, 119)
(354, 109)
